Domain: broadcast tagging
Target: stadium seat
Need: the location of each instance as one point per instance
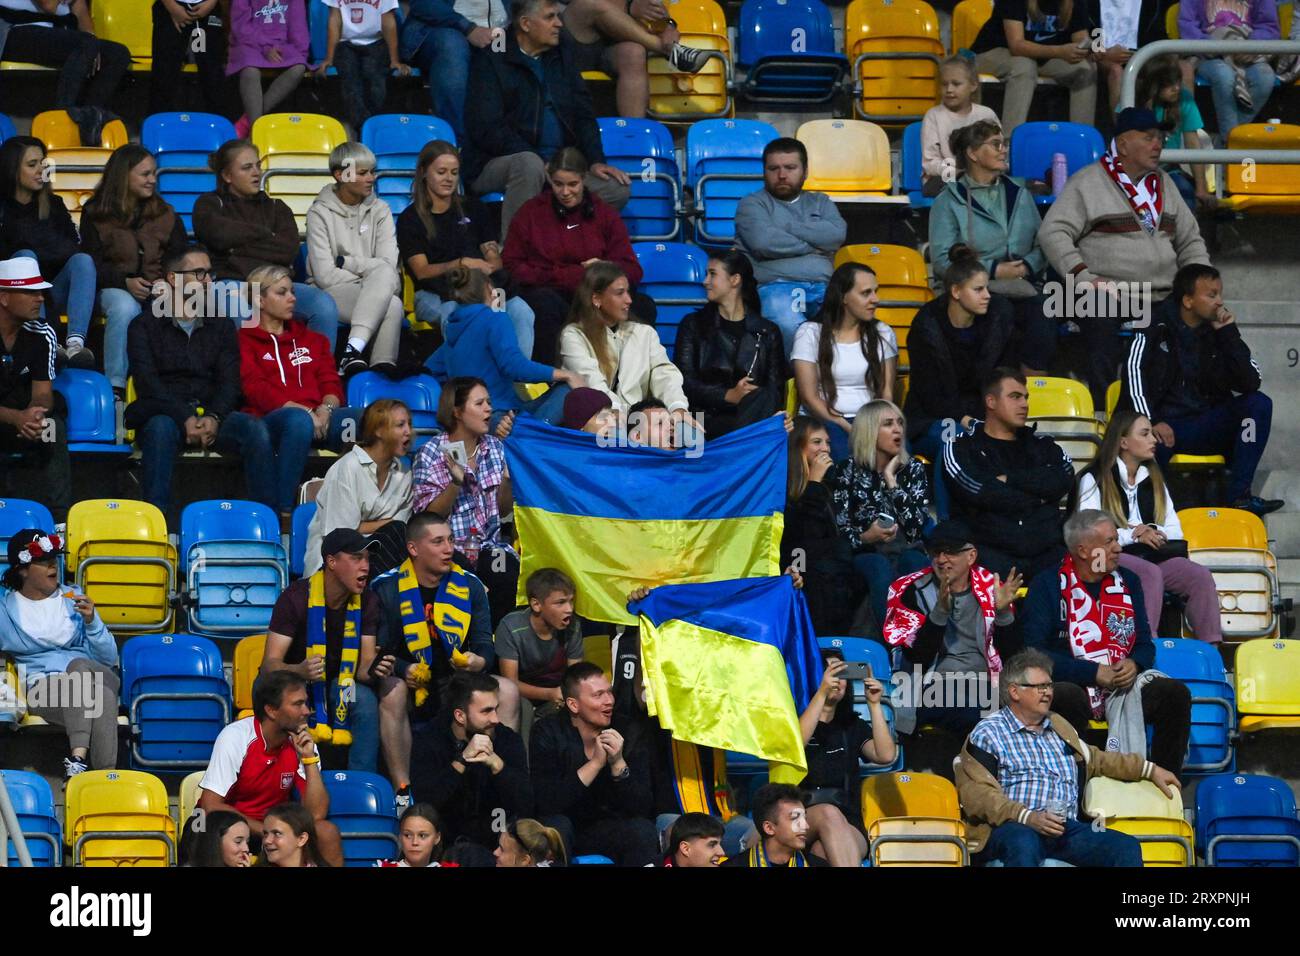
(724, 163)
(233, 564)
(894, 49)
(1261, 186)
(913, 819)
(674, 277)
(177, 697)
(1062, 409)
(788, 50)
(33, 804)
(92, 413)
(57, 130)
(1247, 820)
(75, 169)
(187, 798)
(1268, 685)
(247, 662)
(1234, 545)
(910, 173)
(119, 818)
(592, 859)
(302, 516)
(1177, 462)
(130, 23)
(643, 148)
(968, 18)
(396, 140)
(7, 129)
(17, 514)
(903, 285)
(1142, 811)
(1211, 745)
(419, 392)
(361, 806)
(877, 655)
(181, 143)
(678, 97)
(848, 160)
(1034, 144)
(119, 555)
(295, 149)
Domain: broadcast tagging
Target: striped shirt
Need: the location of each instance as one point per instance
(1036, 769)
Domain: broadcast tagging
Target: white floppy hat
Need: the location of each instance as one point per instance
(21, 275)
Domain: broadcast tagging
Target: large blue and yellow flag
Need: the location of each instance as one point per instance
(732, 664)
(617, 519)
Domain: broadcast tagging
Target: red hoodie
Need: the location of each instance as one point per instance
(295, 366)
(548, 248)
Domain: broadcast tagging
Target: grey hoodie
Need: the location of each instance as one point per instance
(363, 234)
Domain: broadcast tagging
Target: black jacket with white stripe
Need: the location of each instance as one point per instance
(1155, 378)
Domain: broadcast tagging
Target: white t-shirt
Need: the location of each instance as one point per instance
(848, 365)
(362, 19)
(46, 621)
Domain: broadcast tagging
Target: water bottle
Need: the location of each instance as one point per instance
(1060, 173)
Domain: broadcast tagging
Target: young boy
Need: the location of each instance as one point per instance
(536, 644)
(695, 840)
(362, 43)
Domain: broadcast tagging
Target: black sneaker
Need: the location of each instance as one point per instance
(687, 59)
(80, 357)
(73, 766)
(386, 369)
(402, 799)
(351, 362)
(1257, 505)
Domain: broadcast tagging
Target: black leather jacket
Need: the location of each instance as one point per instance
(710, 366)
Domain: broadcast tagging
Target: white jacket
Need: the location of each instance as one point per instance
(364, 235)
(642, 367)
(1090, 497)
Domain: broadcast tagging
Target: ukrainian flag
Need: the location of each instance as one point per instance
(616, 519)
(731, 665)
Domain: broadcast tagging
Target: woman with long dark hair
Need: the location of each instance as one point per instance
(223, 841)
(289, 838)
(35, 223)
(845, 356)
(1160, 89)
(128, 229)
(731, 358)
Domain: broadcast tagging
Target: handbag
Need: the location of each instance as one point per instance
(1170, 549)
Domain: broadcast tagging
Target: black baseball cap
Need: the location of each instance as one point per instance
(949, 535)
(348, 540)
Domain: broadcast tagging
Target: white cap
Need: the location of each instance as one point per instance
(21, 275)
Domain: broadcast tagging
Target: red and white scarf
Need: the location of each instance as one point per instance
(1145, 196)
(903, 623)
(1103, 630)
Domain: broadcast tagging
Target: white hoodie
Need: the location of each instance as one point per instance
(364, 235)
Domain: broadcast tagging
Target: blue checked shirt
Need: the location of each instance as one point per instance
(1034, 769)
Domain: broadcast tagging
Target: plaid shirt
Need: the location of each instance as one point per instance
(475, 518)
(1034, 769)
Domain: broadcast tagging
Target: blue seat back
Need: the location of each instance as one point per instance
(226, 521)
(420, 393)
(1034, 144)
(234, 565)
(177, 733)
(1229, 804)
(17, 514)
(92, 417)
(797, 33)
(724, 148)
(7, 129)
(362, 803)
(33, 804)
(302, 516)
(181, 143)
(910, 161)
(1210, 746)
(643, 148)
(396, 140)
(673, 275)
(592, 859)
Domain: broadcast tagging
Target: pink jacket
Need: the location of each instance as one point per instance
(258, 26)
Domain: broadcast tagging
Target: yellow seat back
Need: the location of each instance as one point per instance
(111, 801)
(901, 89)
(1141, 810)
(913, 819)
(1223, 528)
(1059, 398)
(1165, 842)
(130, 23)
(1171, 23)
(685, 96)
(846, 158)
(297, 141)
(1262, 178)
(57, 130)
(1268, 683)
(119, 553)
(968, 18)
(248, 661)
(1112, 398)
(187, 800)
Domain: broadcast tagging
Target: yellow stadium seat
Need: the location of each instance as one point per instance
(1262, 186)
(130, 23)
(1268, 685)
(1171, 23)
(187, 799)
(678, 97)
(913, 819)
(57, 130)
(121, 557)
(119, 818)
(893, 89)
(1284, 13)
(1142, 811)
(295, 149)
(248, 661)
(75, 170)
(527, 391)
(903, 286)
(968, 18)
(848, 160)
(1063, 410)
(1233, 544)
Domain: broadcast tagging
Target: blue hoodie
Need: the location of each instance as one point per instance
(35, 658)
(481, 342)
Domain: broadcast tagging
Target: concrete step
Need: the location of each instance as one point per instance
(1288, 572)
(1284, 532)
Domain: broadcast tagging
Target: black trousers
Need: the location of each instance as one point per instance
(1166, 708)
(1001, 562)
(76, 53)
(498, 569)
(363, 75)
(628, 842)
(43, 470)
(207, 41)
(762, 403)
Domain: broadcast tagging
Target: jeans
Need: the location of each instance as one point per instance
(73, 292)
(1238, 429)
(430, 308)
(790, 304)
(314, 307)
(291, 435)
(363, 755)
(443, 58)
(1015, 844)
(170, 47)
(734, 832)
(549, 406)
(76, 53)
(1222, 78)
(1166, 709)
(363, 74)
(881, 570)
(120, 308)
(162, 439)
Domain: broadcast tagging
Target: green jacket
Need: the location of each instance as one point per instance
(954, 218)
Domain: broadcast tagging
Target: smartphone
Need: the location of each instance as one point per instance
(458, 454)
(885, 521)
(855, 670)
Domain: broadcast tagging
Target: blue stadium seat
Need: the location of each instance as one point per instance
(592, 859)
(724, 163)
(302, 516)
(178, 699)
(17, 514)
(234, 566)
(674, 278)
(33, 803)
(910, 173)
(92, 416)
(181, 143)
(1247, 820)
(7, 129)
(396, 140)
(419, 392)
(1210, 746)
(789, 50)
(1034, 144)
(643, 148)
(361, 806)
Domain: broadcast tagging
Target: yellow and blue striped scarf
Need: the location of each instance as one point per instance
(331, 704)
(758, 856)
(451, 618)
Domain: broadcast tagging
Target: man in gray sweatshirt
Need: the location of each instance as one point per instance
(790, 235)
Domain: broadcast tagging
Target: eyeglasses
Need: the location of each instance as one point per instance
(998, 144)
(199, 274)
(951, 552)
(1041, 688)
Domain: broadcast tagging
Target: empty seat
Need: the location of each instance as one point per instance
(176, 693)
(1210, 745)
(910, 172)
(302, 516)
(396, 140)
(234, 566)
(643, 148)
(17, 514)
(1234, 545)
(187, 799)
(1142, 811)
(1062, 409)
(295, 149)
(1268, 685)
(419, 392)
(1247, 820)
(33, 804)
(894, 49)
(1262, 186)
(848, 160)
(788, 50)
(92, 413)
(361, 806)
(181, 143)
(724, 164)
(119, 818)
(673, 275)
(120, 555)
(674, 96)
(913, 819)
(248, 661)
(1033, 146)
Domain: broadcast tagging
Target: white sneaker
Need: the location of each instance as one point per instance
(73, 766)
